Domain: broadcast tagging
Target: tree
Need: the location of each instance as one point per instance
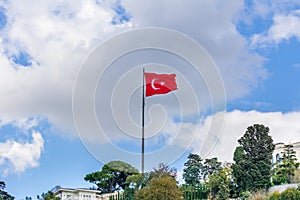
(252, 168)
(193, 169)
(112, 177)
(3, 194)
(285, 170)
(241, 181)
(219, 183)
(163, 170)
(48, 196)
(163, 188)
(211, 165)
(138, 181)
(296, 178)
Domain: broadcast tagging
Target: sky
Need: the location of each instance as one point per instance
(50, 54)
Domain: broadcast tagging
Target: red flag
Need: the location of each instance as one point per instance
(160, 83)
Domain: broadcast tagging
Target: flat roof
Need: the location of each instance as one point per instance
(76, 190)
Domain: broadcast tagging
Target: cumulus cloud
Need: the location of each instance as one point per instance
(16, 157)
(285, 27)
(58, 36)
(284, 127)
(211, 23)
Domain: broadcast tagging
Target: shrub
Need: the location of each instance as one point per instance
(259, 196)
(275, 196)
(245, 195)
(163, 188)
(290, 194)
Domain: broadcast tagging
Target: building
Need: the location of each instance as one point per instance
(80, 194)
(277, 154)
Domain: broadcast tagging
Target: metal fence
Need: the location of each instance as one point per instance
(194, 192)
(188, 192)
(128, 195)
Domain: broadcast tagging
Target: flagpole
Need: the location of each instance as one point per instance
(143, 123)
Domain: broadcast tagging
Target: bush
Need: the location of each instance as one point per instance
(290, 194)
(164, 188)
(259, 196)
(275, 196)
(246, 195)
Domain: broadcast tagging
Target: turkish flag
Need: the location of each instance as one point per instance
(160, 83)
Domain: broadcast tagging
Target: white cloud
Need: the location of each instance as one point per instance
(58, 36)
(285, 27)
(26, 124)
(16, 157)
(284, 127)
(211, 23)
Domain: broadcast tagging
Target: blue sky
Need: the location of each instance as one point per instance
(255, 46)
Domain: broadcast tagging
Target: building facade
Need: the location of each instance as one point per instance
(80, 194)
(277, 154)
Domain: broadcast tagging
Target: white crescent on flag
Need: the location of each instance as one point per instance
(152, 84)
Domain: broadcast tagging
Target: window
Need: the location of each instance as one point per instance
(278, 158)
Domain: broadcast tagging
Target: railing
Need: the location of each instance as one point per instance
(194, 192)
(189, 193)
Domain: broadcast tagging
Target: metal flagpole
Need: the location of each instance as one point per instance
(143, 122)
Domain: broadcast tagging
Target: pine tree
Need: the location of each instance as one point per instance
(284, 171)
(252, 168)
(193, 169)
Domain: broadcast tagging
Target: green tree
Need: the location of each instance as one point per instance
(3, 194)
(296, 178)
(219, 183)
(163, 188)
(193, 169)
(163, 170)
(138, 181)
(290, 194)
(241, 181)
(48, 196)
(112, 177)
(252, 168)
(285, 170)
(210, 166)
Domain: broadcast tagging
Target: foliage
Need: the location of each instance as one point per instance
(285, 170)
(252, 168)
(246, 195)
(238, 154)
(112, 177)
(160, 183)
(128, 193)
(219, 184)
(260, 195)
(3, 194)
(290, 194)
(48, 196)
(296, 178)
(138, 181)
(275, 196)
(163, 188)
(163, 170)
(193, 169)
(211, 165)
(194, 192)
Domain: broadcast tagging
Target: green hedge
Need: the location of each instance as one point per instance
(288, 194)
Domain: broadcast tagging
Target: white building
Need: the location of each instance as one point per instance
(277, 154)
(80, 194)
